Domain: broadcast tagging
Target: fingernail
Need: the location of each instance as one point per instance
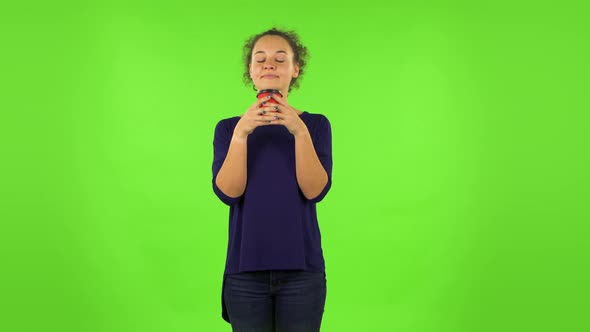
(263, 103)
(263, 112)
(276, 108)
(268, 97)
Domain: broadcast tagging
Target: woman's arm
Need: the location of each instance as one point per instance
(311, 175)
(232, 176)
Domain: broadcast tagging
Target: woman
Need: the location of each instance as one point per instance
(271, 166)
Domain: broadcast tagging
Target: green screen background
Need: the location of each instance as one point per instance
(460, 146)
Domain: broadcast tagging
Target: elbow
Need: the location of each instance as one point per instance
(313, 198)
(232, 193)
(225, 198)
(318, 192)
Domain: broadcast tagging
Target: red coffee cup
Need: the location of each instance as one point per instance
(263, 93)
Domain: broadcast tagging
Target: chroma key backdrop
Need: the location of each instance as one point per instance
(460, 188)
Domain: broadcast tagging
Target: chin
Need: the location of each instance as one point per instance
(268, 86)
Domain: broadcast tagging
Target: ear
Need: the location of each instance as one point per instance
(296, 71)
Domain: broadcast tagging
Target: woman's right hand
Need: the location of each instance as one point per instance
(253, 118)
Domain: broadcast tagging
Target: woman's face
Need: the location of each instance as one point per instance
(272, 64)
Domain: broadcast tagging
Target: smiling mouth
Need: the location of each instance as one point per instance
(270, 76)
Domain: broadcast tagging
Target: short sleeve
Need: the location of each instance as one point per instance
(221, 141)
(323, 147)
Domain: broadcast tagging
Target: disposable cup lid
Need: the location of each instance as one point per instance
(269, 91)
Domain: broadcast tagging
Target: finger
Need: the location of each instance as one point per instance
(261, 110)
(274, 119)
(275, 108)
(278, 99)
(256, 105)
(263, 101)
(277, 122)
(268, 118)
(265, 118)
(270, 104)
(266, 110)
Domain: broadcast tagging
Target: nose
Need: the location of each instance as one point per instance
(268, 65)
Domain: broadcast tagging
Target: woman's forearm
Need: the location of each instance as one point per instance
(232, 175)
(311, 175)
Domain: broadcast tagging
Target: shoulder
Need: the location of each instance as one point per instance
(227, 123)
(318, 125)
(224, 128)
(315, 118)
(316, 122)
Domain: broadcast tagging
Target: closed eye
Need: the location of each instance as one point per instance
(280, 61)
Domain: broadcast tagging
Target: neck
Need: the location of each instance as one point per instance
(285, 93)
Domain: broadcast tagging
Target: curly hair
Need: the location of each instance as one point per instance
(300, 54)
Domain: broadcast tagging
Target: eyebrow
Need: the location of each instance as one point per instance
(279, 51)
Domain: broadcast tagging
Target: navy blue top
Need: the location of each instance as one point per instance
(272, 226)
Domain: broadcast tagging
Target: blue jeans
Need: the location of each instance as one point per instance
(275, 301)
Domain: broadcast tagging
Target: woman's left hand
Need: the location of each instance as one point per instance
(284, 115)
